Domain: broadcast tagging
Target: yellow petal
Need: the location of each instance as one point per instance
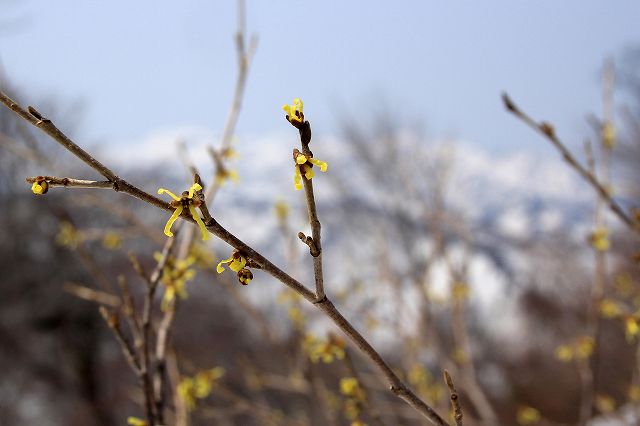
(37, 189)
(196, 217)
(220, 267)
(309, 174)
(238, 264)
(301, 159)
(171, 194)
(297, 179)
(173, 218)
(323, 165)
(195, 187)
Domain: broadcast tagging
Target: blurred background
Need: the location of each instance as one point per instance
(454, 236)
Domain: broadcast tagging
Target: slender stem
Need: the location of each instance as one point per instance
(455, 399)
(546, 130)
(72, 183)
(316, 248)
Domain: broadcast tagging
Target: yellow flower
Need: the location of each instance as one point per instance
(282, 210)
(605, 403)
(460, 291)
(223, 174)
(527, 415)
(203, 381)
(325, 350)
(631, 328)
(584, 347)
(599, 239)
(350, 387)
(564, 353)
(175, 275)
(68, 235)
(187, 392)
(245, 276)
(136, 421)
(111, 241)
(236, 262)
(304, 166)
(610, 308)
(295, 111)
(180, 203)
(608, 135)
(40, 186)
(634, 393)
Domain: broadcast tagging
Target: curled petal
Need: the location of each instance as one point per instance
(220, 267)
(173, 218)
(323, 165)
(238, 264)
(297, 179)
(194, 187)
(301, 159)
(196, 217)
(309, 173)
(171, 194)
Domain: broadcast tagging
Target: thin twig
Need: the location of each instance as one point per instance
(547, 130)
(96, 296)
(455, 399)
(315, 245)
(71, 183)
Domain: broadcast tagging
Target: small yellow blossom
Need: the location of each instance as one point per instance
(608, 135)
(624, 285)
(187, 392)
(605, 403)
(68, 235)
(631, 328)
(584, 347)
(527, 416)
(459, 355)
(325, 350)
(236, 262)
(175, 275)
(223, 174)
(609, 308)
(634, 393)
(350, 387)
(136, 421)
(111, 241)
(296, 317)
(460, 291)
(295, 112)
(180, 203)
(564, 353)
(245, 276)
(304, 166)
(204, 380)
(282, 210)
(40, 186)
(599, 239)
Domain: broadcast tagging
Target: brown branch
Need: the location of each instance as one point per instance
(547, 130)
(96, 296)
(455, 399)
(72, 183)
(316, 248)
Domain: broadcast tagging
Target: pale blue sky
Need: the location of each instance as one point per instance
(147, 65)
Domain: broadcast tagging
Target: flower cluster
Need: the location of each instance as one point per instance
(325, 350)
(237, 262)
(294, 112)
(191, 389)
(175, 275)
(599, 239)
(579, 349)
(355, 397)
(304, 166)
(186, 201)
